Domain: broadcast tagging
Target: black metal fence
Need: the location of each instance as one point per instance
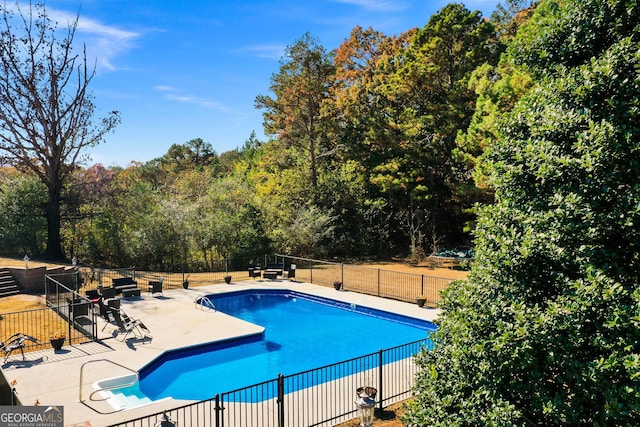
(173, 276)
(67, 314)
(319, 397)
(373, 281)
(76, 311)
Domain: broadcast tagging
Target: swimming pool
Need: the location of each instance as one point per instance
(301, 332)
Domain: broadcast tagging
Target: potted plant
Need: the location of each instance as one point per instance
(185, 283)
(227, 279)
(421, 300)
(57, 340)
(337, 285)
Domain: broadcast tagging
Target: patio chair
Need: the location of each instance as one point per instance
(106, 312)
(93, 295)
(292, 272)
(108, 293)
(15, 342)
(141, 326)
(155, 287)
(127, 325)
(254, 272)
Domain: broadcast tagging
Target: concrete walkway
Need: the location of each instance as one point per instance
(53, 378)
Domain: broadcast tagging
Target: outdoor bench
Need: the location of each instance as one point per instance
(122, 284)
(272, 271)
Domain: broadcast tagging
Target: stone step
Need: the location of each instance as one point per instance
(9, 292)
(8, 286)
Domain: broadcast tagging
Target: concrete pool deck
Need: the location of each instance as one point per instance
(53, 378)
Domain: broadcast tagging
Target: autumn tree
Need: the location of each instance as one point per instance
(46, 108)
(419, 93)
(293, 115)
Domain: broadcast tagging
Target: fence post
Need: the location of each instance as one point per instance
(94, 319)
(342, 273)
(218, 410)
(380, 396)
(378, 282)
(311, 272)
(70, 317)
(280, 400)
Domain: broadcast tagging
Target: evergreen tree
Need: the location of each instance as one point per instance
(545, 330)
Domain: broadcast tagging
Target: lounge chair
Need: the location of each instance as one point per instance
(127, 325)
(15, 342)
(106, 312)
(142, 328)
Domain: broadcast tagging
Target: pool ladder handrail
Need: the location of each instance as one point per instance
(136, 379)
(203, 298)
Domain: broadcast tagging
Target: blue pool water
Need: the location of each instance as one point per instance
(301, 332)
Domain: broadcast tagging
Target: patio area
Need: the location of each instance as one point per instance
(53, 378)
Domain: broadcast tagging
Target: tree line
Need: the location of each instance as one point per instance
(519, 134)
(373, 151)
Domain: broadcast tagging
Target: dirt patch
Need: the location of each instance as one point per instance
(21, 302)
(446, 273)
(19, 263)
(387, 417)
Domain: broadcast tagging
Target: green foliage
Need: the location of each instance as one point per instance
(23, 225)
(363, 159)
(545, 330)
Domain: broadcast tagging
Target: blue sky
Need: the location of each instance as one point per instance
(179, 70)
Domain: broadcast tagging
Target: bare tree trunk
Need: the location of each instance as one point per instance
(46, 109)
(54, 240)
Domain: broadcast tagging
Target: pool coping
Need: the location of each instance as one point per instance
(53, 378)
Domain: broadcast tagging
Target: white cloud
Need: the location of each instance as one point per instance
(105, 43)
(269, 51)
(162, 88)
(172, 94)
